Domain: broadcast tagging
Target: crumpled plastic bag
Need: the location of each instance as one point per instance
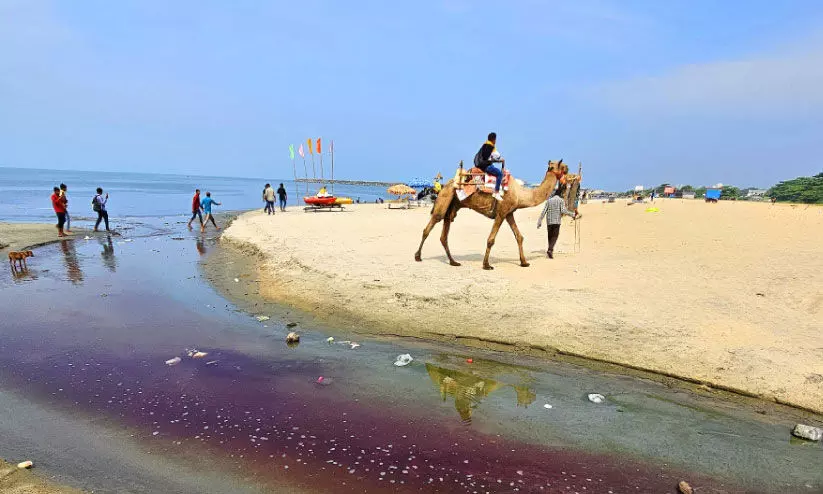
(403, 360)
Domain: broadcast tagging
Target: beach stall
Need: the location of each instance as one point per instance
(405, 195)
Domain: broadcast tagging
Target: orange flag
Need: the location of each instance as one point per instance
(311, 150)
(319, 149)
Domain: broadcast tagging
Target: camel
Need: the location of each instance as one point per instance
(517, 197)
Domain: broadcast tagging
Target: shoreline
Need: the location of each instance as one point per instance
(357, 300)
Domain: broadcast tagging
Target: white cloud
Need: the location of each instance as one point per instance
(786, 83)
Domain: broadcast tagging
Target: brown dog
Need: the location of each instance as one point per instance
(19, 258)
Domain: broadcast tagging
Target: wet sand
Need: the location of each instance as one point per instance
(20, 236)
(721, 294)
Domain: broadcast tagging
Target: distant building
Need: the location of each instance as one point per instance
(638, 188)
(688, 195)
(755, 193)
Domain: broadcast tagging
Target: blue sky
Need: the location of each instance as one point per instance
(642, 92)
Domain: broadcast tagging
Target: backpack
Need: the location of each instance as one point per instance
(95, 204)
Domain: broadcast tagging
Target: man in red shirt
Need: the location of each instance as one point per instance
(59, 206)
(195, 208)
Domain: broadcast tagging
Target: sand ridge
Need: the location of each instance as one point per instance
(727, 293)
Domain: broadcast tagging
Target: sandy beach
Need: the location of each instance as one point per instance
(16, 481)
(729, 294)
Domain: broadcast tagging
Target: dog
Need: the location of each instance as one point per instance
(19, 259)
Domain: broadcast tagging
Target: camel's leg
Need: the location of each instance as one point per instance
(519, 237)
(435, 219)
(444, 239)
(498, 221)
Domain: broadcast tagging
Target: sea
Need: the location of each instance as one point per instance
(24, 193)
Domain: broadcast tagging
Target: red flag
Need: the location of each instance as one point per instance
(319, 149)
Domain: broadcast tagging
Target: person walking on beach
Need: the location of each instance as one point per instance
(60, 210)
(98, 204)
(282, 196)
(553, 212)
(485, 159)
(207, 203)
(65, 200)
(195, 208)
(268, 196)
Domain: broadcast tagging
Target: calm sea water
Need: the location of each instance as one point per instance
(24, 193)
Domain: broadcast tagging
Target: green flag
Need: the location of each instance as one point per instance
(291, 151)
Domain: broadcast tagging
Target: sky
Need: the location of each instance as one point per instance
(641, 92)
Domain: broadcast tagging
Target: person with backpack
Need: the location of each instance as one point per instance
(485, 159)
(98, 204)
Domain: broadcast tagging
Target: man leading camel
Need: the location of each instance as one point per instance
(553, 212)
(485, 159)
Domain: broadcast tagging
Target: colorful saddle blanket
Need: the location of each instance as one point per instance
(475, 180)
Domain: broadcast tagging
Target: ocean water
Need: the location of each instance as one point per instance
(24, 193)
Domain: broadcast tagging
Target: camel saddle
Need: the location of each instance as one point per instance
(467, 182)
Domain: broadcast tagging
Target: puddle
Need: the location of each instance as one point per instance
(88, 331)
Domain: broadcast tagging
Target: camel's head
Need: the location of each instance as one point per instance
(558, 167)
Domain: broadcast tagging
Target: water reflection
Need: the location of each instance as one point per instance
(468, 390)
(108, 253)
(73, 271)
(201, 246)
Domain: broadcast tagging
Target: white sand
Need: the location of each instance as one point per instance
(674, 291)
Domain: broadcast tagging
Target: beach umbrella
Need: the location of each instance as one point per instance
(419, 182)
(400, 190)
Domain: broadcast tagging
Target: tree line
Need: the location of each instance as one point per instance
(807, 190)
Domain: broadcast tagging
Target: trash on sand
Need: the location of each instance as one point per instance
(330, 340)
(211, 362)
(86, 238)
(320, 380)
(596, 398)
(354, 345)
(292, 338)
(403, 360)
(174, 361)
(547, 406)
(199, 354)
(684, 488)
(127, 240)
(807, 432)
(25, 464)
(237, 280)
(469, 361)
(262, 318)
(652, 210)
(291, 324)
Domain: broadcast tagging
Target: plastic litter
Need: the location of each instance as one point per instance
(237, 280)
(320, 380)
(807, 432)
(652, 210)
(547, 406)
(127, 240)
(262, 318)
(25, 464)
(291, 324)
(292, 338)
(174, 361)
(199, 354)
(211, 362)
(469, 361)
(354, 345)
(330, 340)
(596, 398)
(86, 238)
(684, 488)
(403, 360)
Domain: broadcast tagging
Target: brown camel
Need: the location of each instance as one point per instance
(517, 197)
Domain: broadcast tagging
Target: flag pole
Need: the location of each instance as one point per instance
(296, 190)
(331, 150)
(321, 166)
(306, 172)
